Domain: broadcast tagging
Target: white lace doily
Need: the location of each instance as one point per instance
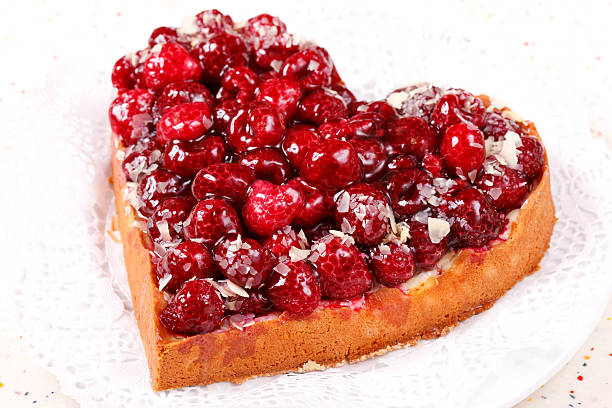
(75, 308)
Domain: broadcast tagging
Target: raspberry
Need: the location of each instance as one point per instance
(213, 22)
(183, 262)
(162, 35)
(169, 215)
(407, 190)
(505, 191)
(401, 162)
(243, 261)
(434, 164)
(342, 270)
(228, 180)
(297, 141)
(362, 211)
(130, 115)
(392, 263)
(140, 157)
(295, 290)
(271, 53)
(495, 126)
(372, 155)
(171, 63)
(125, 75)
(157, 186)
(283, 240)
(187, 158)
(475, 221)
(257, 303)
(269, 207)
(332, 165)
(196, 308)
(410, 135)
(309, 68)
(210, 220)
(238, 83)
(223, 50)
(531, 157)
(264, 28)
(318, 204)
(455, 107)
(257, 124)
(223, 114)
(181, 92)
(268, 163)
(185, 121)
(283, 94)
(426, 253)
(321, 106)
(463, 150)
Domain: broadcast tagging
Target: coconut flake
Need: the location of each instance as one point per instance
(437, 229)
(508, 155)
(343, 203)
(296, 254)
(164, 231)
(164, 281)
(282, 268)
(189, 26)
(494, 193)
(397, 99)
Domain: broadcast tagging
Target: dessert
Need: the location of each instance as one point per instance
(271, 222)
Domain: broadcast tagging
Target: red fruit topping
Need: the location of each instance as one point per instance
(410, 135)
(210, 220)
(130, 115)
(294, 288)
(220, 52)
(213, 22)
(269, 207)
(257, 303)
(283, 240)
(264, 27)
(228, 180)
(381, 108)
(243, 261)
(318, 231)
(346, 95)
(271, 52)
(187, 158)
(495, 126)
(181, 92)
(421, 100)
(283, 94)
(171, 63)
(392, 263)
(268, 164)
(408, 190)
(157, 186)
(166, 222)
(506, 190)
(434, 164)
(362, 211)
(185, 121)
(318, 204)
(475, 221)
(333, 164)
(309, 68)
(297, 141)
(471, 107)
(238, 83)
(321, 105)
(125, 75)
(372, 155)
(141, 157)
(223, 114)
(257, 124)
(183, 262)
(162, 35)
(426, 253)
(196, 308)
(463, 150)
(402, 161)
(457, 107)
(531, 157)
(342, 270)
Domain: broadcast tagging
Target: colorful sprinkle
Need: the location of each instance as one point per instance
(580, 378)
(587, 357)
(1, 385)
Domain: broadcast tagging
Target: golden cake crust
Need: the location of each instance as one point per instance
(330, 336)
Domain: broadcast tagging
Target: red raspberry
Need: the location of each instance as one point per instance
(407, 190)
(238, 83)
(455, 107)
(257, 303)
(162, 35)
(268, 164)
(187, 158)
(269, 207)
(463, 150)
(213, 22)
(140, 157)
(505, 191)
(283, 94)
(426, 253)
(410, 135)
(283, 240)
(257, 124)
(475, 221)
(296, 290)
(342, 270)
(308, 67)
(392, 263)
(386, 112)
(297, 141)
(157, 186)
(470, 106)
(171, 63)
(228, 180)
(271, 53)
(402, 161)
(181, 92)
(183, 262)
(185, 121)
(434, 164)
(421, 101)
(362, 211)
(196, 308)
(346, 95)
(372, 155)
(495, 126)
(264, 27)
(169, 215)
(223, 114)
(210, 220)
(318, 204)
(321, 106)
(125, 75)
(130, 115)
(332, 165)
(243, 261)
(220, 52)
(531, 157)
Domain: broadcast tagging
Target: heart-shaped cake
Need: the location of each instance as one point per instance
(271, 222)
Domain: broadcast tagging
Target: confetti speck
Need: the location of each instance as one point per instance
(580, 378)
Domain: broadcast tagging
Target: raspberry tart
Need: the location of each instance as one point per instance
(271, 222)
